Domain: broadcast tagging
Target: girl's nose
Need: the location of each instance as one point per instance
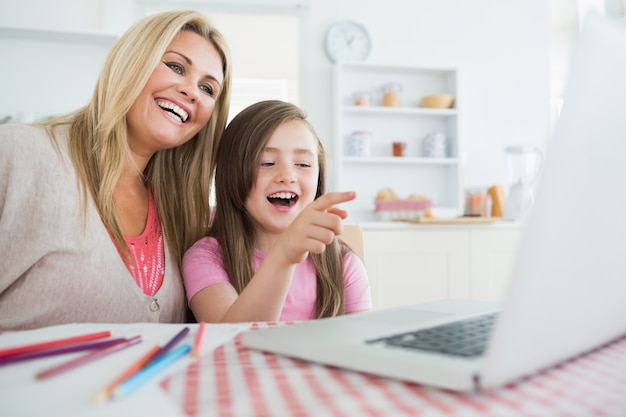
(286, 175)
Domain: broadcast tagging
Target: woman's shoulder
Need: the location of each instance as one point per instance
(16, 133)
(28, 155)
(23, 140)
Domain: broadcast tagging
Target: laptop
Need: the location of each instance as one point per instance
(567, 292)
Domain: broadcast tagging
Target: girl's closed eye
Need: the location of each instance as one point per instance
(267, 163)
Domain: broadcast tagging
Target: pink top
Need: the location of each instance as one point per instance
(147, 252)
(202, 267)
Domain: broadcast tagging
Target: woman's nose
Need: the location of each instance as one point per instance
(189, 89)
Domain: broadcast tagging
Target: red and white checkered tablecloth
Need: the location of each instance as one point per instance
(233, 381)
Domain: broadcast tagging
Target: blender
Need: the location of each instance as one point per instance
(523, 164)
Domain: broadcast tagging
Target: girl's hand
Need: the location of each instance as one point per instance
(315, 227)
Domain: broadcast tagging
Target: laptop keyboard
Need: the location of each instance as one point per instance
(466, 338)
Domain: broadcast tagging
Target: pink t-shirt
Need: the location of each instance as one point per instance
(202, 267)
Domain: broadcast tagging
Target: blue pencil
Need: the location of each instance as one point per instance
(150, 370)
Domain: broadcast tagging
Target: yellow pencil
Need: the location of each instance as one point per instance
(133, 369)
(195, 352)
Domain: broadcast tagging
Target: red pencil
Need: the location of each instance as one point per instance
(195, 352)
(87, 358)
(53, 343)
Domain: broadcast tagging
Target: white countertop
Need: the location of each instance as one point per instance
(399, 225)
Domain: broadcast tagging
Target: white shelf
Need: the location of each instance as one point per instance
(56, 35)
(438, 178)
(380, 160)
(409, 111)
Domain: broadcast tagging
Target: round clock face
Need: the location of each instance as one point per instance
(348, 41)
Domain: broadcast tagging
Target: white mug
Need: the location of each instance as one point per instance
(359, 143)
(434, 145)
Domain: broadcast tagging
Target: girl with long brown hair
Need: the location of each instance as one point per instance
(272, 252)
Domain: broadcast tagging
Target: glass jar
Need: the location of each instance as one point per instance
(391, 94)
(362, 98)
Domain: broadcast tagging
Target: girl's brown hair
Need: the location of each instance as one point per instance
(238, 160)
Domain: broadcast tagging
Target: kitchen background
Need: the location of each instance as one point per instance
(511, 56)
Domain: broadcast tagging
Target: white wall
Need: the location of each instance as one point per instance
(500, 46)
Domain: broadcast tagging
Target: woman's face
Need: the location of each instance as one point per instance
(287, 178)
(179, 97)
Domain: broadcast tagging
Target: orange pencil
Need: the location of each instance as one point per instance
(130, 371)
(88, 358)
(195, 352)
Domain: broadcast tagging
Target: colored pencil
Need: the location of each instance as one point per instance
(149, 371)
(169, 345)
(79, 347)
(88, 358)
(197, 345)
(128, 372)
(53, 343)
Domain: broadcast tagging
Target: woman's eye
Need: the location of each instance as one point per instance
(176, 67)
(208, 89)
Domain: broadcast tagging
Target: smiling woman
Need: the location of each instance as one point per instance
(184, 86)
(122, 184)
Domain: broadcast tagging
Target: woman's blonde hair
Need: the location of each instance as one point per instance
(238, 160)
(180, 178)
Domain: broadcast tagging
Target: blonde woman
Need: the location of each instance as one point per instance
(272, 252)
(97, 207)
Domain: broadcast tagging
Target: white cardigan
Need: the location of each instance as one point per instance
(56, 264)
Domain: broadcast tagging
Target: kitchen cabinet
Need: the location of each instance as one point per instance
(492, 256)
(361, 92)
(409, 264)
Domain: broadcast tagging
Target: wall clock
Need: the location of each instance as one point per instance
(348, 41)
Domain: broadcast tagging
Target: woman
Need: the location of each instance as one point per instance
(98, 207)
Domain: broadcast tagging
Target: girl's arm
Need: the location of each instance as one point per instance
(264, 296)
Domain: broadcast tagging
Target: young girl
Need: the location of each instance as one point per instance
(272, 252)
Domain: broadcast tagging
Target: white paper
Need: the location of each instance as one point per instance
(73, 393)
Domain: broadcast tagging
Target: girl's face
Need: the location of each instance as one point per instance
(179, 98)
(287, 178)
